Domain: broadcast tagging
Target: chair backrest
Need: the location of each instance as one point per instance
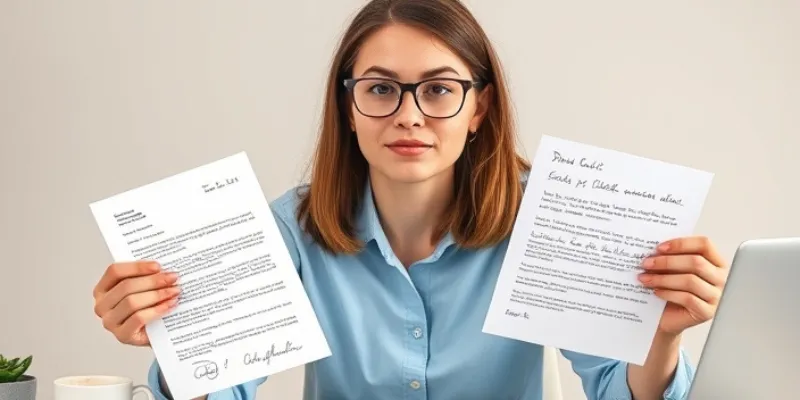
(551, 376)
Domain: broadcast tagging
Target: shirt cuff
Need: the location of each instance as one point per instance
(153, 382)
(678, 389)
(682, 382)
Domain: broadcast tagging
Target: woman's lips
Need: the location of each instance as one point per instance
(409, 147)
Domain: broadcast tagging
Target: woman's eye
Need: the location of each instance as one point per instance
(381, 89)
(439, 90)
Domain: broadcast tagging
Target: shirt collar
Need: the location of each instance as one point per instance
(369, 229)
(369, 226)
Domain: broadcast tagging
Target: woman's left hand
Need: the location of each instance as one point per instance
(689, 274)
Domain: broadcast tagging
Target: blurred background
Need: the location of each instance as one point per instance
(97, 97)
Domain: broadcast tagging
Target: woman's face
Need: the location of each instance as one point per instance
(408, 146)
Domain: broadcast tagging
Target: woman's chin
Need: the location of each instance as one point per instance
(408, 174)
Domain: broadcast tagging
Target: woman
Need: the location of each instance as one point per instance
(400, 234)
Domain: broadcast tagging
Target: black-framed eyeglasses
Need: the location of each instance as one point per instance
(436, 97)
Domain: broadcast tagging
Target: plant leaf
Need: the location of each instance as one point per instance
(21, 368)
(12, 364)
(5, 377)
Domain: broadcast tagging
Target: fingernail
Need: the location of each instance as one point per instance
(663, 247)
(645, 278)
(648, 263)
(173, 276)
(155, 267)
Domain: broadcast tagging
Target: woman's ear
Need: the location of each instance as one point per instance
(482, 104)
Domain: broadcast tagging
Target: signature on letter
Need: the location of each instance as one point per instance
(206, 369)
(517, 314)
(272, 351)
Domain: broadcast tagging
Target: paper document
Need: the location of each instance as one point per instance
(588, 218)
(243, 312)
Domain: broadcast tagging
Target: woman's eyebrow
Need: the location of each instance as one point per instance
(392, 74)
(437, 71)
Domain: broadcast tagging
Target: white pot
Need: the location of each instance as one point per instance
(23, 389)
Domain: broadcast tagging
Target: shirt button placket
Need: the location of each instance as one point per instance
(416, 344)
(416, 361)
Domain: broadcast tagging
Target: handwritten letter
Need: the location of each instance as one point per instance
(242, 313)
(588, 218)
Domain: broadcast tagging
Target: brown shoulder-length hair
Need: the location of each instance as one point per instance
(488, 187)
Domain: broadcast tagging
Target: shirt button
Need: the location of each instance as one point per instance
(417, 333)
(414, 385)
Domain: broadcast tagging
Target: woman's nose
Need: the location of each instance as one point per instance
(409, 114)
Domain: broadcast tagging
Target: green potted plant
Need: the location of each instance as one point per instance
(14, 384)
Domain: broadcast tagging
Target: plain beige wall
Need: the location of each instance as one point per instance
(97, 97)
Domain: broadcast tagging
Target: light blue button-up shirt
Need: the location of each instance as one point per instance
(416, 334)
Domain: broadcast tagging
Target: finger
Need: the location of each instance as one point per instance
(136, 302)
(130, 286)
(697, 308)
(689, 283)
(685, 264)
(119, 271)
(701, 245)
(142, 317)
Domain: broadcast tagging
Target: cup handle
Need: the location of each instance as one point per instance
(143, 389)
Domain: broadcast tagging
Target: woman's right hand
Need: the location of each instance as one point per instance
(131, 294)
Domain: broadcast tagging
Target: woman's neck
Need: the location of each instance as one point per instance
(411, 213)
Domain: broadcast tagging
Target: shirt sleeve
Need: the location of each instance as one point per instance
(290, 236)
(605, 379)
(244, 391)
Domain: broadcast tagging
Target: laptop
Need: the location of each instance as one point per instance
(752, 351)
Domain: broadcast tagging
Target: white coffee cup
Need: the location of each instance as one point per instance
(98, 387)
